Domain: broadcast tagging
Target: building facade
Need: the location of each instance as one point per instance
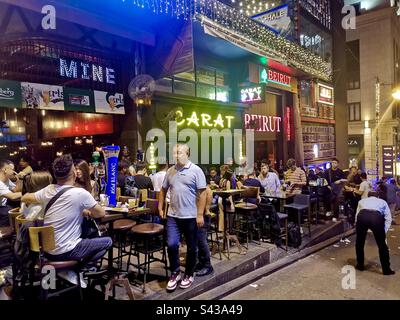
(372, 57)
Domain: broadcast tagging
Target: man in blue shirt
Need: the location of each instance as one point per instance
(374, 214)
(187, 185)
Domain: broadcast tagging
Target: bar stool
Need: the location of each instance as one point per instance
(301, 203)
(213, 228)
(245, 221)
(246, 212)
(121, 228)
(148, 238)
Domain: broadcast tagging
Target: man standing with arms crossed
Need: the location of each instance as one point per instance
(187, 185)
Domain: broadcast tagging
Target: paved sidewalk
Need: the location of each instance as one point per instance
(319, 276)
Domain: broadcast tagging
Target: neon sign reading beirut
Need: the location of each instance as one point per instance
(205, 120)
(88, 71)
(262, 123)
(268, 75)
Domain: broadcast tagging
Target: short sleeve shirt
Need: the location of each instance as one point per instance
(65, 214)
(5, 188)
(183, 184)
(365, 187)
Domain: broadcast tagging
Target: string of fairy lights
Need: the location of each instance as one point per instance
(231, 18)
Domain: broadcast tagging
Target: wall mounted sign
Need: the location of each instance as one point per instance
(252, 94)
(76, 69)
(269, 75)
(109, 102)
(262, 123)
(78, 100)
(42, 96)
(325, 94)
(277, 19)
(387, 160)
(10, 94)
(288, 126)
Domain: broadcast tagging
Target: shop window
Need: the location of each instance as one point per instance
(164, 85)
(205, 91)
(354, 112)
(184, 88)
(222, 94)
(205, 75)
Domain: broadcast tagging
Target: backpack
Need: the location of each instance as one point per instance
(294, 235)
(130, 187)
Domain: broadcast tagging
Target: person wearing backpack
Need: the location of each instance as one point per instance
(65, 214)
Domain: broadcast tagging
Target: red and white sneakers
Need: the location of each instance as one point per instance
(186, 282)
(173, 281)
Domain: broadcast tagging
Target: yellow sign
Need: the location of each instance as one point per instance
(205, 120)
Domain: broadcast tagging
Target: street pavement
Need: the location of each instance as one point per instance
(319, 276)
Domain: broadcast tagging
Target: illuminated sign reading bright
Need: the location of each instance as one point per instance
(275, 77)
(325, 94)
(88, 71)
(262, 123)
(252, 94)
(205, 120)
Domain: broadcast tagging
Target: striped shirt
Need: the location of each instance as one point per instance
(297, 177)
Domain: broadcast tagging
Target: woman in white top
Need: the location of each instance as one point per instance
(33, 182)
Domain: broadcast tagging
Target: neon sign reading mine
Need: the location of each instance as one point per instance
(262, 123)
(88, 71)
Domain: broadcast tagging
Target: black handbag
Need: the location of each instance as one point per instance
(90, 229)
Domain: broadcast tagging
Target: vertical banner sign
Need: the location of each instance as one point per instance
(387, 159)
(288, 123)
(111, 159)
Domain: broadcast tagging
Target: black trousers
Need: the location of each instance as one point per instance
(376, 222)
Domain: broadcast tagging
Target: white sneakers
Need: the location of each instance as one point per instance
(71, 277)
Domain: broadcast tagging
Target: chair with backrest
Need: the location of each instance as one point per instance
(42, 240)
(148, 239)
(301, 203)
(213, 230)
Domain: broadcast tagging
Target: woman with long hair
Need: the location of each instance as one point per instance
(33, 182)
(83, 179)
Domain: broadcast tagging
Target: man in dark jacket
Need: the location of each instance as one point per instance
(334, 176)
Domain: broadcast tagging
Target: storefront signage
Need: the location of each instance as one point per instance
(204, 120)
(109, 102)
(262, 123)
(277, 19)
(75, 69)
(10, 94)
(42, 96)
(269, 75)
(78, 100)
(253, 94)
(388, 157)
(325, 94)
(288, 124)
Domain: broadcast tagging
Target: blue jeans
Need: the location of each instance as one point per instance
(86, 251)
(175, 228)
(203, 254)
